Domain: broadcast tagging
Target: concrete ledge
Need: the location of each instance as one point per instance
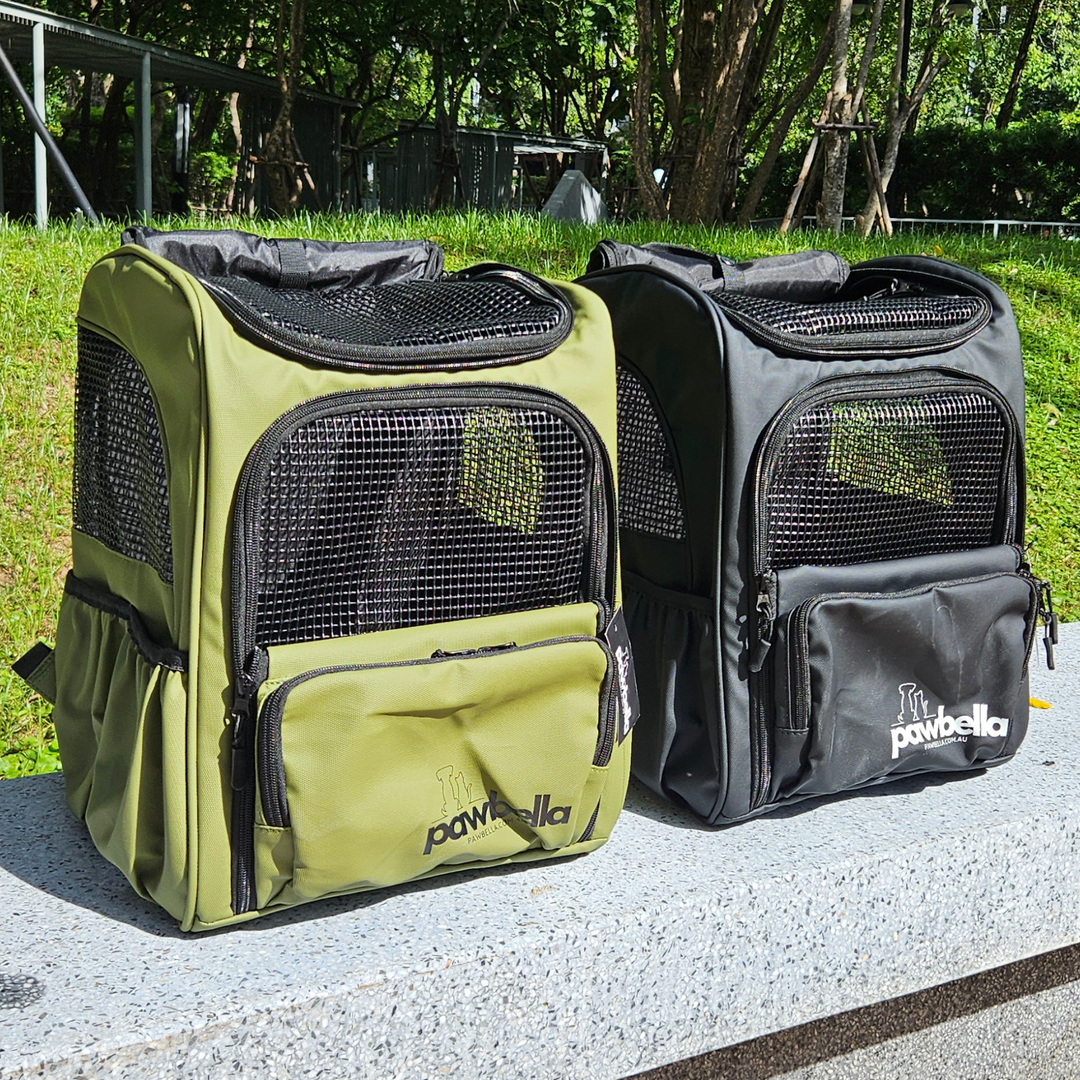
(670, 942)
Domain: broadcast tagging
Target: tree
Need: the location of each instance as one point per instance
(1023, 49)
(904, 102)
(458, 37)
(279, 149)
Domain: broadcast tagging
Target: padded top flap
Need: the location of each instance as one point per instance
(290, 263)
(804, 276)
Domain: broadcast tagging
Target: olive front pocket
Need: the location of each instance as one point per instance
(371, 775)
(869, 685)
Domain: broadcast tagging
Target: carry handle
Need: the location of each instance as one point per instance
(291, 263)
(801, 277)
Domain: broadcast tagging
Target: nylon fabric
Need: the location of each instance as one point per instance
(146, 751)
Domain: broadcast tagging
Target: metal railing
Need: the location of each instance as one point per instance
(987, 226)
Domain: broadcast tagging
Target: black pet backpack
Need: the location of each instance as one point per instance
(821, 484)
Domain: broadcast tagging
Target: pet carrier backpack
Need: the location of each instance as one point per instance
(822, 518)
(344, 566)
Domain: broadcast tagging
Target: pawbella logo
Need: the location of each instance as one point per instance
(622, 664)
(915, 726)
(482, 816)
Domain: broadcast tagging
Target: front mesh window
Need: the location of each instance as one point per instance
(887, 478)
(649, 499)
(405, 315)
(889, 314)
(372, 520)
(121, 494)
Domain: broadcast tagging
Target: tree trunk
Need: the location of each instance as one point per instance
(649, 194)
(835, 143)
(783, 126)
(716, 60)
(902, 105)
(107, 151)
(1009, 104)
(282, 174)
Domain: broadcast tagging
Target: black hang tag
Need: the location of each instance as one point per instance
(625, 683)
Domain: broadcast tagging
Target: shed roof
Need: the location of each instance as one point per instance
(77, 45)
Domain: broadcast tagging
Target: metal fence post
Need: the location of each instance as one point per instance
(144, 202)
(41, 175)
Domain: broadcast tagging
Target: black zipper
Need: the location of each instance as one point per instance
(761, 707)
(868, 345)
(800, 617)
(860, 386)
(271, 765)
(451, 356)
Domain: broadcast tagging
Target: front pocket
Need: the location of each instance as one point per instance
(385, 772)
(873, 684)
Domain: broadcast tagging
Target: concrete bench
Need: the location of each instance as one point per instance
(670, 942)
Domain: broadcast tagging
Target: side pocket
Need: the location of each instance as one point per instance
(119, 716)
(674, 641)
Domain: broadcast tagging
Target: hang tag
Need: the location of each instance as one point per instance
(626, 685)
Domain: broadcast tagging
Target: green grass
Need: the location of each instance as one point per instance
(42, 275)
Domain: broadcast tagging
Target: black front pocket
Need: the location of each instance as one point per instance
(875, 684)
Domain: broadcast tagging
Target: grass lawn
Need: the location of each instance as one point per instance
(42, 275)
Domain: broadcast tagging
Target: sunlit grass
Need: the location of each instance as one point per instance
(43, 272)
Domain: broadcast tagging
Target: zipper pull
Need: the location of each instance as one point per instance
(1049, 621)
(242, 711)
(442, 654)
(245, 703)
(765, 614)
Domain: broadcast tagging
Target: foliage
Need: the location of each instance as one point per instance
(726, 87)
(43, 272)
(1029, 170)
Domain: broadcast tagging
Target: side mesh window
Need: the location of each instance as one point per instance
(649, 499)
(121, 494)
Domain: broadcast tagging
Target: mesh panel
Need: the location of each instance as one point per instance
(405, 315)
(121, 495)
(886, 314)
(648, 489)
(856, 481)
(376, 520)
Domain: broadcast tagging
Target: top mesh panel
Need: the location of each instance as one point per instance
(121, 496)
(890, 314)
(648, 488)
(376, 520)
(857, 481)
(404, 315)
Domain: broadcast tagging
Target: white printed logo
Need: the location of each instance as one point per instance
(916, 726)
(622, 666)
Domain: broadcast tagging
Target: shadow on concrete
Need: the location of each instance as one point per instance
(42, 844)
(823, 1040)
(644, 802)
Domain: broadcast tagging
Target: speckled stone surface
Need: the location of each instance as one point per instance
(671, 941)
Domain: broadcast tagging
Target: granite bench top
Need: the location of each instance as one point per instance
(672, 940)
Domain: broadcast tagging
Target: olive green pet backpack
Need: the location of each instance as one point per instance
(343, 610)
